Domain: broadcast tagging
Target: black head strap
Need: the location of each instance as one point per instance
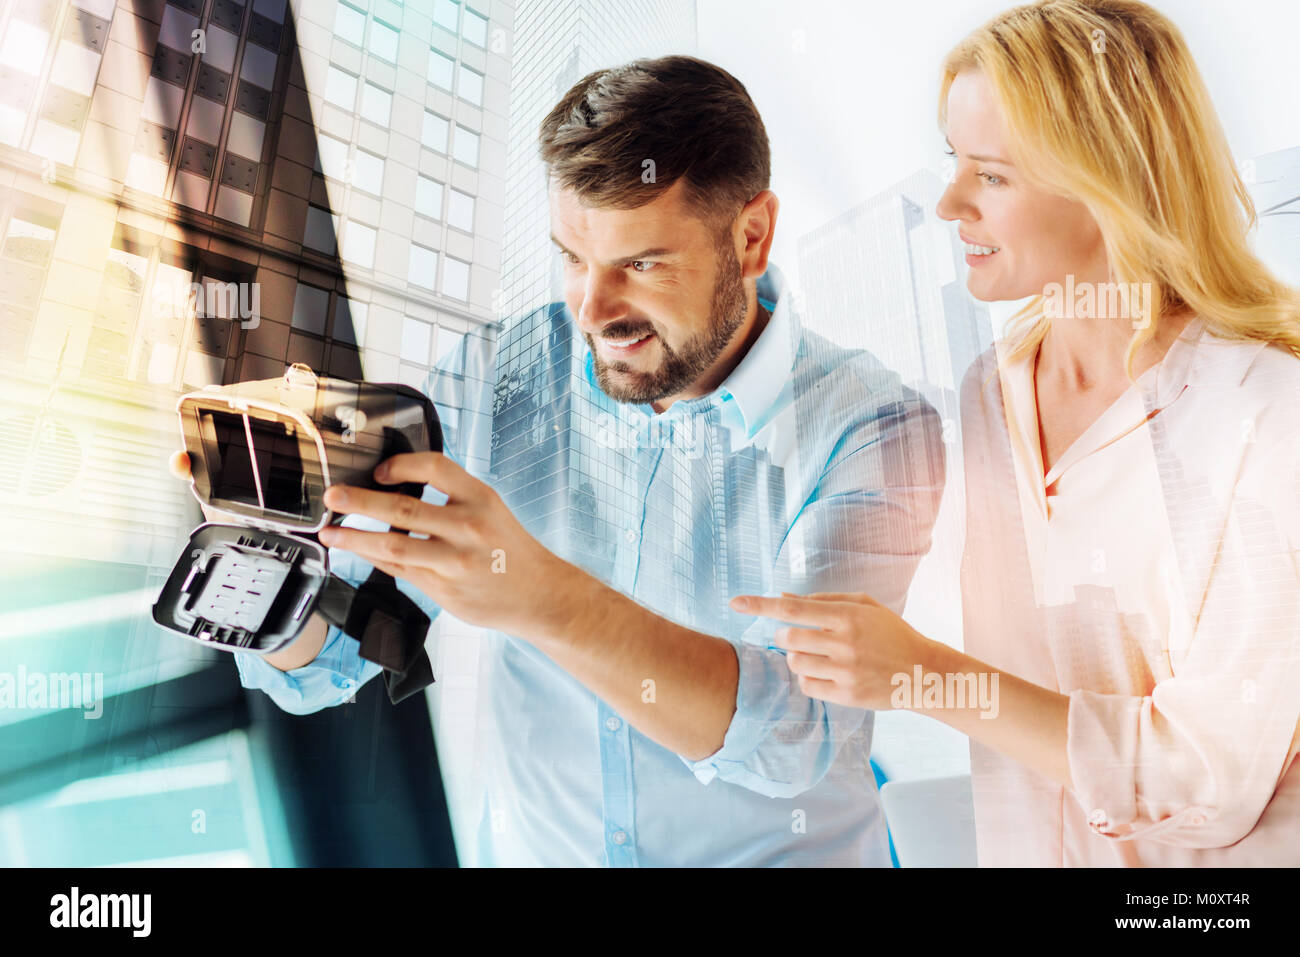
(390, 627)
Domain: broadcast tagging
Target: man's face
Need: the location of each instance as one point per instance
(656, 294)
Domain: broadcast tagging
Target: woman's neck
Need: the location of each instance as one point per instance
(1087, 355)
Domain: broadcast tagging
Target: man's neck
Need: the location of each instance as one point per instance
(755, 322)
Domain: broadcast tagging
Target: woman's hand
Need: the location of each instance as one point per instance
(851, 651)
(857, 652)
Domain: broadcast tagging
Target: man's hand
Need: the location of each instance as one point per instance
(179, 466)
(477, 561)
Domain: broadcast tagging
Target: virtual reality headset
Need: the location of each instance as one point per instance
(262, 453)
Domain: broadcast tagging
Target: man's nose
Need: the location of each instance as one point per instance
(602, 301)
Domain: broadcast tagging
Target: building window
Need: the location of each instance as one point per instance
(447, 340)
(24, 259)
(460, 210)
(455, 279)
(350, 321)
(368, 172)
(434, 133)
(441, 69)
(466, 146)
(446, 13)
(319, 232)
(120, 296)
(423, 267)
(416, 339)
(333, 154)
(376, 105)
(383, 41)
(350, 25)
(475, 28)
(310, 307)
(341, 88)
(428, 197)
(471, 85)
(24, 47)
(157, 347)
(359, 244)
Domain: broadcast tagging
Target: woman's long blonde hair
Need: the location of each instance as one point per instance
(1103, 103)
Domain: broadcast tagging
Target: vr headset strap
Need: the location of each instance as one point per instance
(389, 626)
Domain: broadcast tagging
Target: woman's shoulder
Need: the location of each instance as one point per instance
(1275, 369)
(1257, 361)
(1258, 380)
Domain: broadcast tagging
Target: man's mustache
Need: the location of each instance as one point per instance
(623, 332)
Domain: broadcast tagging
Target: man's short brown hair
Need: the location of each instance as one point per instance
(693, 120)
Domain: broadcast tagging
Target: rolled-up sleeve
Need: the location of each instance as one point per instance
(780, 742)
(1196, 762)
(865, 529)
(331, 678)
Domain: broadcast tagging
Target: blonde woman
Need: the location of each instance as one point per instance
(1132, 459)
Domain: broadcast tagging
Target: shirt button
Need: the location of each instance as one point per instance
(620, 837)
(631, 535)
(613, 723)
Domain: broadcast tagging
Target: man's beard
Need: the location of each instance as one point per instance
(679, 368)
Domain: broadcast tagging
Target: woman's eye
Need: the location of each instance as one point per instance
(568, 257)
(991, 179)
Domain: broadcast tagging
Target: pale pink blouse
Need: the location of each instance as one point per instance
(1153, 577)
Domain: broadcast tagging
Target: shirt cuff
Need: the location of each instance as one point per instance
(331, 678)
(780, 742)
(1103, 754)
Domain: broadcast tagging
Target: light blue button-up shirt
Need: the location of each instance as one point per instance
(811, 468)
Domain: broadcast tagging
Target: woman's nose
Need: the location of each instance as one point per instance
(950, 203)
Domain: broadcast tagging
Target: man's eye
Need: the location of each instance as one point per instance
(641, 262)
(568, 257)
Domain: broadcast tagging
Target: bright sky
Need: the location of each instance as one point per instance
(848, 90)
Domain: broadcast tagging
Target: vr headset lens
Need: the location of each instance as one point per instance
(255, 462)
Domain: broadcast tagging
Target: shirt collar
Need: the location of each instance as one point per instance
(757, 382)
(1200, 357)
(1197, 357)
(1176, 368)
(1211, 359)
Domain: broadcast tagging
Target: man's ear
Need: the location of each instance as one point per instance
(758, 219)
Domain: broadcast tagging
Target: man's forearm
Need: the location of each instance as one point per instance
(675, 685)
(304, 649)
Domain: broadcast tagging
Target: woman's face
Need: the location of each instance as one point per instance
(1019, 237)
